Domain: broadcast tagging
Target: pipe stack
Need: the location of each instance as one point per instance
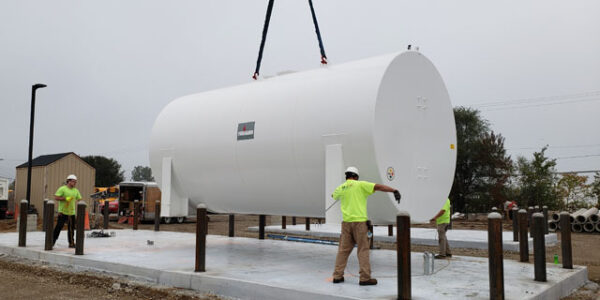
(583, 220)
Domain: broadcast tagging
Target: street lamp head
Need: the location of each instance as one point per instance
(38, 86)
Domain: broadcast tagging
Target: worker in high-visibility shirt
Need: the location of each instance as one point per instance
(67, 197)
(353, 195)
(442, 220)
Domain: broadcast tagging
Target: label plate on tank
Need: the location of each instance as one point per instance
(245, 131)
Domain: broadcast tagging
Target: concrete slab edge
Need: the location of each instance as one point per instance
(195, 281)
(507, 245)
(565, 287)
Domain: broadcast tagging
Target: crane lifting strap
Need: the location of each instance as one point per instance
(266, 29)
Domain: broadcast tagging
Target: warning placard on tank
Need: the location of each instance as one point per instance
(245, 131)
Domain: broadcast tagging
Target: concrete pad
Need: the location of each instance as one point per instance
(457, 238)
(269, 269)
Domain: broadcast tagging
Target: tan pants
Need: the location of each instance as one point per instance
(353, 233)
(442, 240)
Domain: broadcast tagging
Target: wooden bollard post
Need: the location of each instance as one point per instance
(403, 255)
(157, 215)
(80, 228)
(48, 224)
(23, 223)
(545, 212)
(293, 220)
(390, 230)
(523, 239)
(136, 214)
(44, 215)
(496, 264)
(529, 213)
(105, 213)
(283, 222)
(565, 240)
(494, 209)
(231, 225)
(201, 230)
(539, 247)
(515, 223)
(307, 224)
(261, 227)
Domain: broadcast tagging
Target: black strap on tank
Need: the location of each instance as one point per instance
(266, 29)
(314, 17)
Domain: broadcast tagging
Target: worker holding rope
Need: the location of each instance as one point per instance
(353, 196)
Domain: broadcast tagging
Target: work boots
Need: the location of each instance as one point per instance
(371, 281)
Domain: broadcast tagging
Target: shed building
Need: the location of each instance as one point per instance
(49, 172)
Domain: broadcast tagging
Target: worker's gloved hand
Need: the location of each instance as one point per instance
(397, 196)
(69, 199)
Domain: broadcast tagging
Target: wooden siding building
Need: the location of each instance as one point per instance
(49, 172)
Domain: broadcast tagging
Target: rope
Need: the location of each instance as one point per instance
(264, 38)
(314, 17)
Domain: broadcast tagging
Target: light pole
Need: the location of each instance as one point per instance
(33, 90)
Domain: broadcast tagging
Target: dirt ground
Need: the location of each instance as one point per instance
(51, 282)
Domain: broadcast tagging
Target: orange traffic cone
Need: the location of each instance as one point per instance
(16, 211)
(86, 224)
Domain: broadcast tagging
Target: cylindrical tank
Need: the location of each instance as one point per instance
(259, 148)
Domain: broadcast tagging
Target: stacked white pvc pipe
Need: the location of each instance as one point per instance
(584, 217)
(574, 215)
(583, 220)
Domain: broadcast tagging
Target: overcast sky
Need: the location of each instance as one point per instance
(111, 66)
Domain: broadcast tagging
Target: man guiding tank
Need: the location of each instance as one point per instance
(353, 196)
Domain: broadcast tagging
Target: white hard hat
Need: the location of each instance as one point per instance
(72, 177)
(353, 170)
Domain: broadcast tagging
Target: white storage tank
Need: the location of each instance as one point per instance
(279, 146)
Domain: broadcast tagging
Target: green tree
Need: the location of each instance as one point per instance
(108, 170)
(482, 168)
(572, 190)
(141, 173)
(537, 181)
(595, 188)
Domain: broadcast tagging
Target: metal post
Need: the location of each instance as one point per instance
(496, 264)
(231, 225)
(293, 220)
(390, 230)
(539, 247)
(523, 239)
(157, 216)
(80, 234)
(545, 212)
(44, 215)
(136, 214)
(23, 223)
(307, 224)
(201, 229)
(565, 240)
(48, 224)
(261, 227)
(283, 222)
(515, 223)
(105, 213)
(403, 255)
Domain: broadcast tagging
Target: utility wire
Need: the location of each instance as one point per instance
(539, 101)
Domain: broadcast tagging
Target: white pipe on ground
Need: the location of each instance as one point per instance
(598, 227)
(582, 218)
(576, 227)
(574, 215)
(555, 217)
(589, 227)
(595, 218)
(552, 226)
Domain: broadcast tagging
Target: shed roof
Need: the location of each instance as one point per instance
(44, 160)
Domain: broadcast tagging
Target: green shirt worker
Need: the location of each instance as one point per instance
(353, 195)
(67, 197)
(442, 220)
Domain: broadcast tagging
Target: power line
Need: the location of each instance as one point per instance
(578, 156)
(557, 147)
(539, 101)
